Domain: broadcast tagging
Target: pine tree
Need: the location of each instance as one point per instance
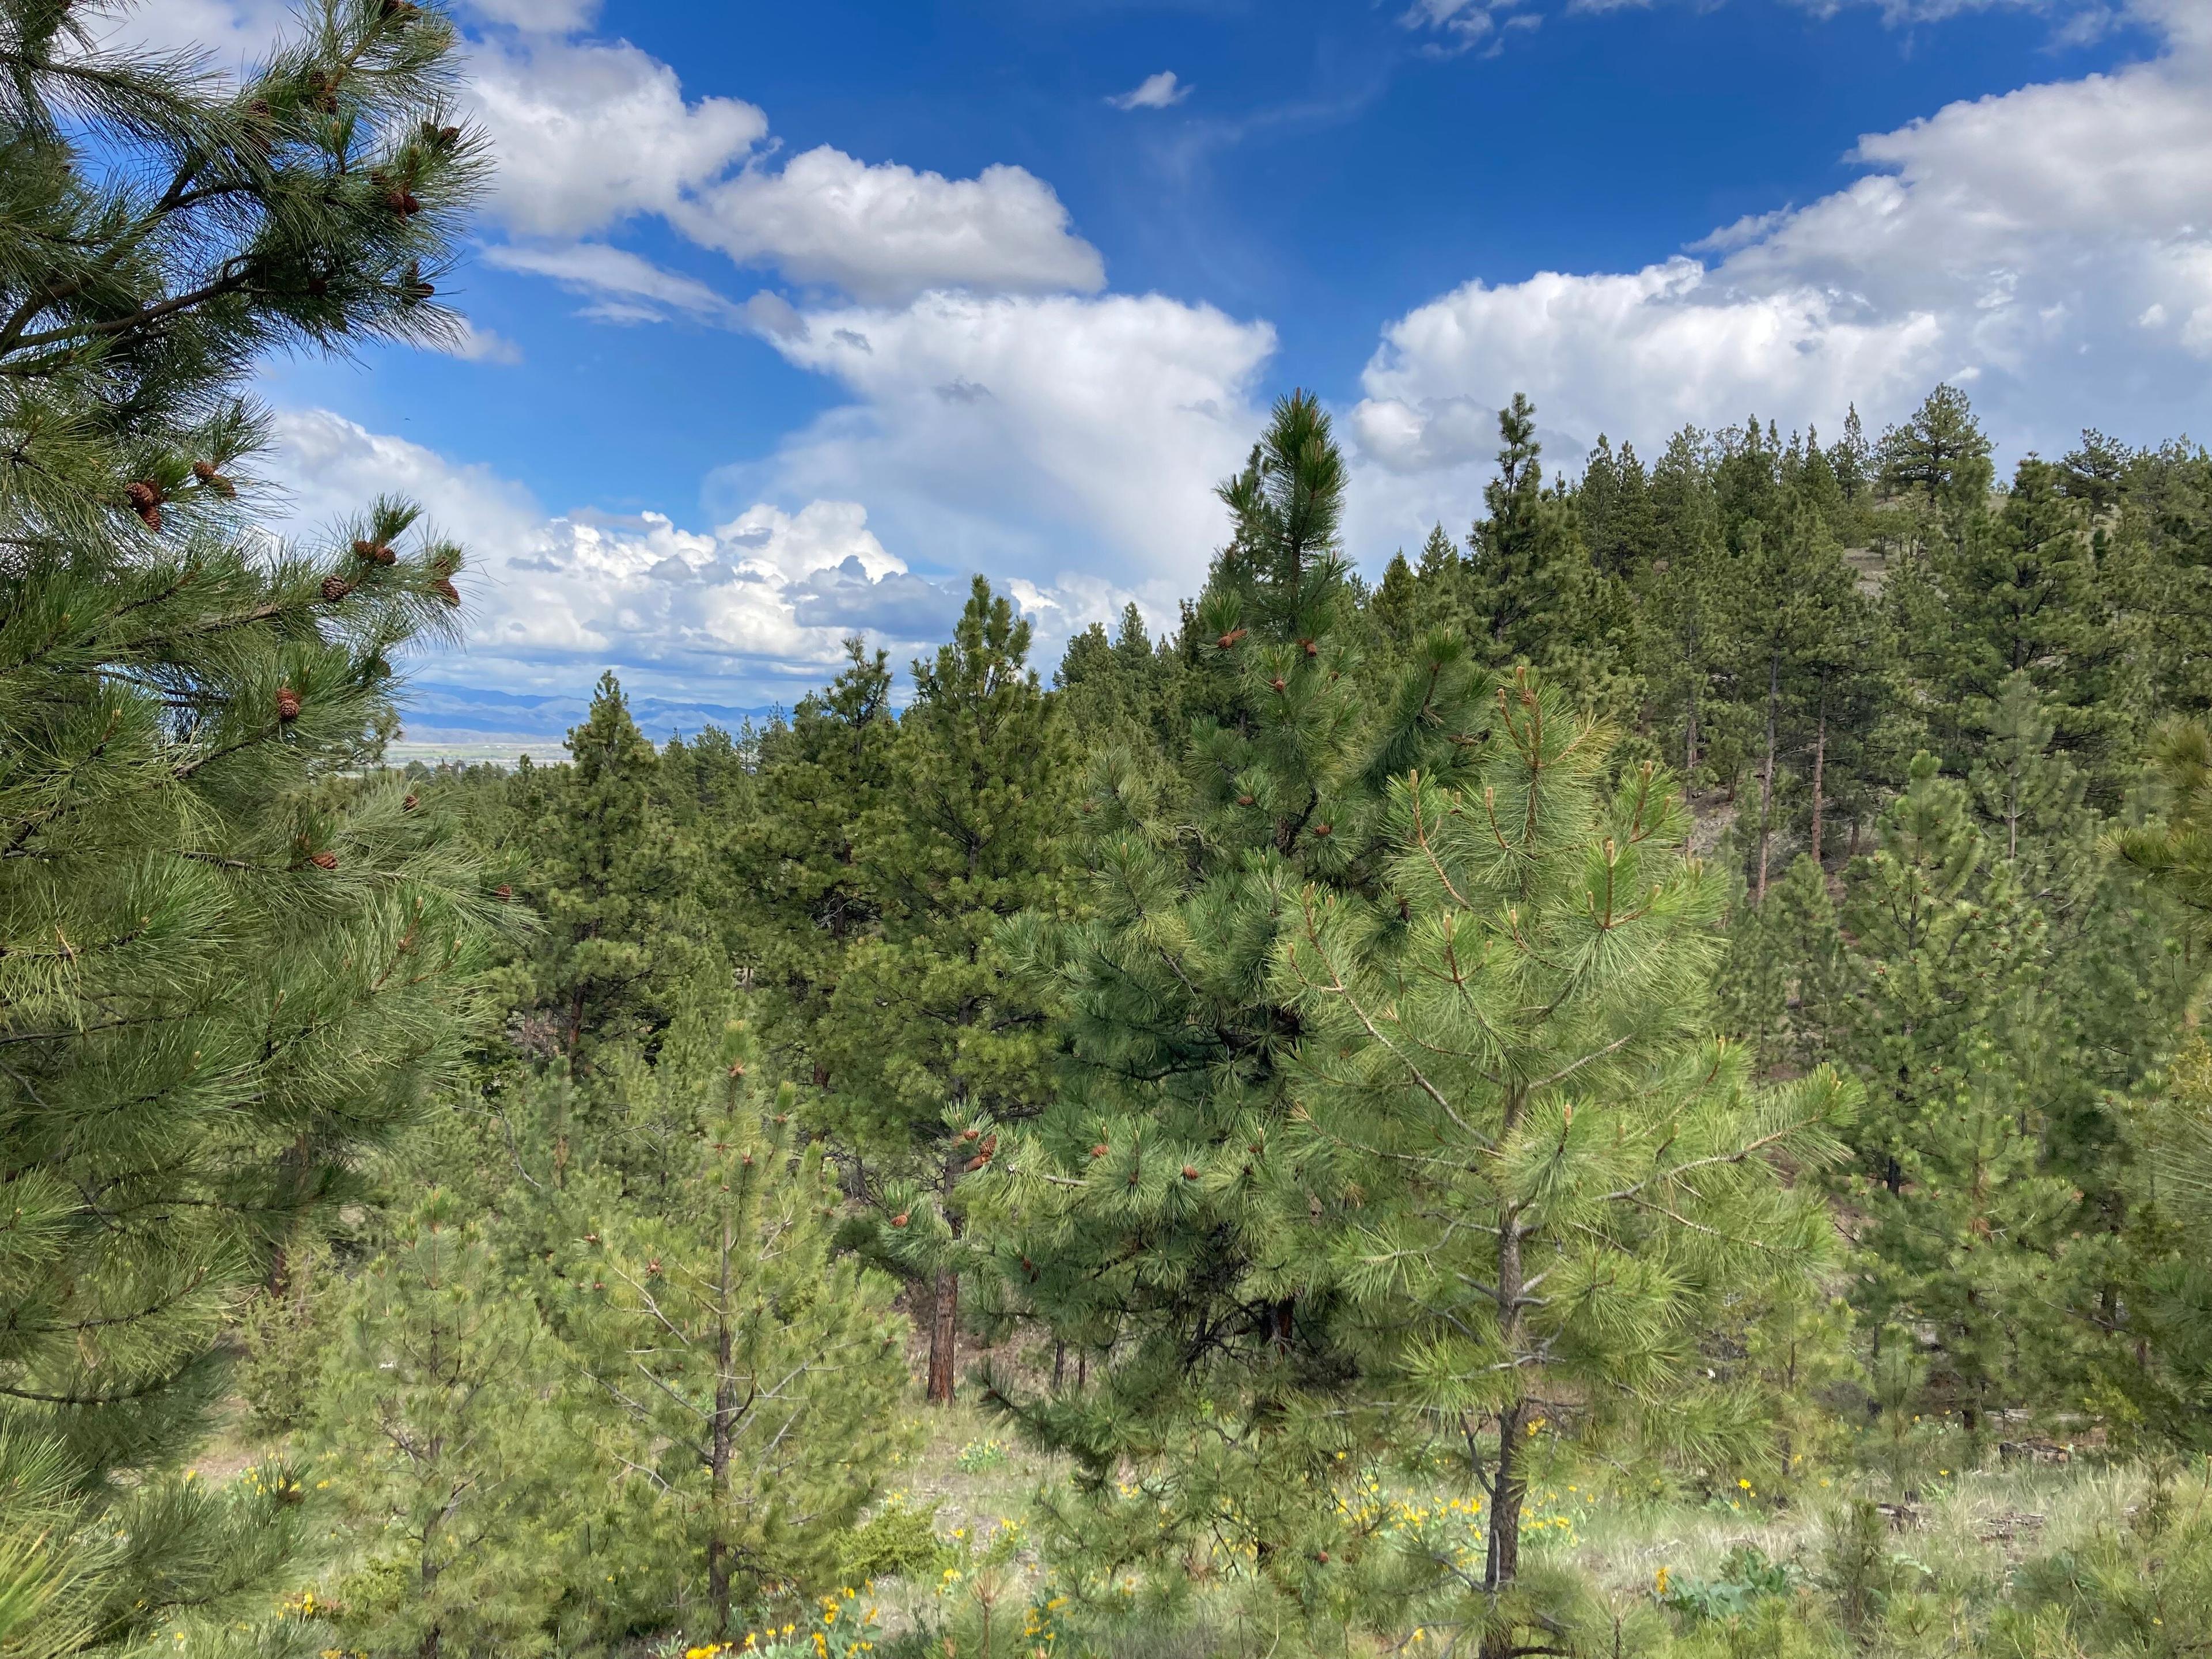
(1614, 501)
(744, 1379)
(1413, 600)
(1851, 459)
(225, 969)
(1798, 618)
(1149, 1217)
(796, 878)
(934, 1046)
(434, 1426)
(1545, 1189)
(1963, 1219)
(2096, 473)
(1940, 455)
(1112, 689)
(614, 880)
(2169, 1293)
(1532, 594)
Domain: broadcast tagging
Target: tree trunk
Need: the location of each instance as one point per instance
(1510, 1481)
(944, 1335)
(726, 1406)
(1690, 743)
(1767, 775)
(1508, 1486)
(1819, 765)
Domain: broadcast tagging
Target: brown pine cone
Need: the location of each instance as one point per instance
(446, 590)
(336, 589)
(410, 803)
(324, 860)
(374, 553)
(288, 704)
(504, 890)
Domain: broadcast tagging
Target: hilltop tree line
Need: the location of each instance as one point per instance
(1690, 978)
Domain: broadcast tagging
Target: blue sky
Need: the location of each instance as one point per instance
(785, 319)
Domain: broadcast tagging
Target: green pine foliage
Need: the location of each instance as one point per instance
(1151, 1217)
(1543, 1188)
(932, 1042)
(435, 1431)
(1342, 1082)
(229, 966)
(804, 901)
(741, 1378)
(614, 881)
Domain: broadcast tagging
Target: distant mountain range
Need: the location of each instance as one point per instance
(476, 722)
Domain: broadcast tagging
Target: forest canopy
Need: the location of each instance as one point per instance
(1629, 1084)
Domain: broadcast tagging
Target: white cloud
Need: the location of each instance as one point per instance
(2051, 246)
(739, 614)
(232, 34)
(751, 612)
(1161, 91)
(626, 287)
(482, 346)
(884, 232)
(538, 16)
(589, 135)
(1033, 436)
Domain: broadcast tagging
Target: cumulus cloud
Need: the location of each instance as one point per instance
(884, 233)
(1161, 91)
(1032, 436)
(591, 134)
(538, 16)
(2049, 247)
(588, 135)
(742, 614)
(231, 34)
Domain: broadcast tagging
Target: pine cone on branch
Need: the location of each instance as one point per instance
(336, 589)
(374, 553)
(146, 498)
(288, 704)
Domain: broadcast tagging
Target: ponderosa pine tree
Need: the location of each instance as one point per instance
(1114, 689)
(1941, 455)
(934, 1046)
(2024, 594)
(223, 970)
(1851, 459)
(1151, 1218)
(1798, 624)
(743, 1378)
(615, 882)
(1614, 501)
(1531, 593)
(1544, 1185)
(435, 1425)
(1413, 600)
(1962, 1215)
(803, 897)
